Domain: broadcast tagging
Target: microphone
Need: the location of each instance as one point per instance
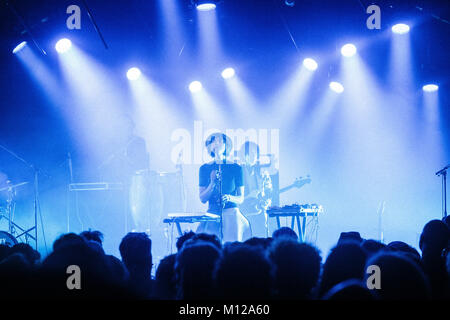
(219, 177)
(219, 173)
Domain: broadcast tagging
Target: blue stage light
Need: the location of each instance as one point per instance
(205, 5)
(195, 86)
(228, 73)
(19, 47)
(336, 87)
(310, 64)
(400, 28)
(63, 45)
(348, 50)
(133, 74)
(430, 87)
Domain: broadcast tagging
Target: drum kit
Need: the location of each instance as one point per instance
(8, 193)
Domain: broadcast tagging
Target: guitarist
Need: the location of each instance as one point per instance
(258, 186)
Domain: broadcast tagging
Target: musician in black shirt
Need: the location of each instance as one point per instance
(221, 185)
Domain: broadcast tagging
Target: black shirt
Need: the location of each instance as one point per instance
(232, 179)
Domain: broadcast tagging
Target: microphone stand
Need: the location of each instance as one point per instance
(443, 173)
(221, 203)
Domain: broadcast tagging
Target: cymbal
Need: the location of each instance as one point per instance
(11, 186)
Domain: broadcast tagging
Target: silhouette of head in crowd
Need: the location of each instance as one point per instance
(350, 236)
(351, 290)
(434, 243)
(68, 239)
(372, 247)
(98, 278)
(435, 237)
(165, 281)
(263, 243)
(95, 235)
(285, 232)
(183, 238)
(32, 256)
(400, 278)
(211, 238)
(194, 267)
(345, 261)
(242, 272)
(402, 247)
(135, 249)
(297, 268)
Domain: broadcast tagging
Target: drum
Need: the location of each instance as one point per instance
(8, 239)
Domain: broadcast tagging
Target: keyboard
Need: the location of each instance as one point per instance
(295, 210)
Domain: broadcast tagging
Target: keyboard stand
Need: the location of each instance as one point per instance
(297, 218)
(189, 219)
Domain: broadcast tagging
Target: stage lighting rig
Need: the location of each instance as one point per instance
(205, 5)
(289, 3)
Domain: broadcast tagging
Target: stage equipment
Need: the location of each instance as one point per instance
(190, 217)
(430, 87)
(205, 5)
(298, 213)
(8, 213)
(97, 197)
(228, 73)
(95, 186)
(443, 174)
(7, 239)
(400, 28)
(255, 205)
(195, 86)
(336, 87)
(310, 64)
(36, 204)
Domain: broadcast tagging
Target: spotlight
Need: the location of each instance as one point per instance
(348, 50)
(195, 86)
(400, 28)
(289, 3)
(310, 64)
(19, 47)
(430, 87)
(228, 73)
(205, 5)
(133, 74)
(336, 87)
(63, 45)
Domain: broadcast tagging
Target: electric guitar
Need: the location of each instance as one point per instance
(256, 204)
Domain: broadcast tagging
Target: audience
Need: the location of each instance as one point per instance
(372, 247)
(285, 232)
(400, 278)
(406, 249)
(136, 252)
(95, 235)
(297, 268)
(194, 267)
(278, 267)
(346, 261)
(434, 243)
(351, 290)
(243, 272)
(165, 282)
(182, 239)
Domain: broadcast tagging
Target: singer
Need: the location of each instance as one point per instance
(222, 186)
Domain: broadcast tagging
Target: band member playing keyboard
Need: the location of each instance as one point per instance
(221, 185)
